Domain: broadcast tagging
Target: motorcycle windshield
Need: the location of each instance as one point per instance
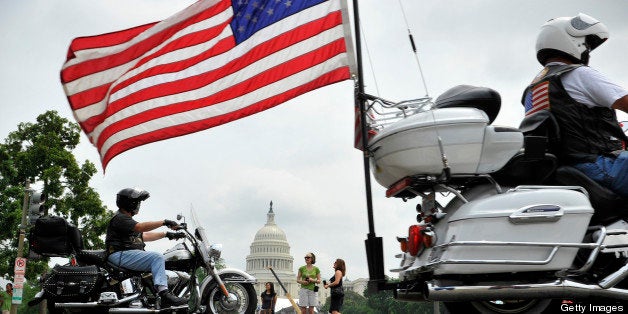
(199, 232)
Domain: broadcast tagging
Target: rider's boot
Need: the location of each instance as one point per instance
(168, 299)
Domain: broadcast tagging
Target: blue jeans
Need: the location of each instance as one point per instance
(139, 260)
(609, 172)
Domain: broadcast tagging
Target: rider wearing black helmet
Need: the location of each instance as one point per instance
(125, 242)
(581, 99)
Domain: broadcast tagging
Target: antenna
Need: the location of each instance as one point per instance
(416, 54)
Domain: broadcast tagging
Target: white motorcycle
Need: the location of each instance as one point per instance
(515, 231)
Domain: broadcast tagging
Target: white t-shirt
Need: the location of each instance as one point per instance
(590, 87)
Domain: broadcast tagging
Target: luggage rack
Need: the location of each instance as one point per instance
(382, 112)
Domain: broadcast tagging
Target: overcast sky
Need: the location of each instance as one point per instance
(299, 154)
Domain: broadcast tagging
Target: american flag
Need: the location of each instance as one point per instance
(212, 63)
(537, 99)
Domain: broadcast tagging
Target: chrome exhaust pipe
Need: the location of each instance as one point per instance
(140, 310)
(111, 307)
(409, 295)
(548, 290)
(96, 304)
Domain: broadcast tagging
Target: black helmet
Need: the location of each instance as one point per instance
(129, 199)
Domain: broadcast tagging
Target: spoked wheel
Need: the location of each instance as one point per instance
(241, 299)
(499, 306)
(511, 306)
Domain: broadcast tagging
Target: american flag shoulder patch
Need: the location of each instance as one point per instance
(537, 98)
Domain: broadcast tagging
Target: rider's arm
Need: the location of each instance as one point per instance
(621, 104)
(148, 225)
(152, 236)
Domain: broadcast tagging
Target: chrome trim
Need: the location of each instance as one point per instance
(554, 246)
(140, 310)
(614, 278)
(592, 257)
(553, 187)
(244, 278)
(454, 192)
(537, 213)
(549, 290)
(96, 304)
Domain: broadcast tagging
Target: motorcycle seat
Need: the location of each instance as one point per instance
(91, 257)
(121, 273)
(607, 204)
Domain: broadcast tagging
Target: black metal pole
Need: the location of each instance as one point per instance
(373, 244)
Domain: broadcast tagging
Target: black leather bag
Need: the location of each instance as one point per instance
(53, 236)
(73, 283)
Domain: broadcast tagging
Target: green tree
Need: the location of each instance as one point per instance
(41, 153)
(30, 289)
(381, 302)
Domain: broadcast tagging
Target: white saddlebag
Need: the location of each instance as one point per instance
(410, 146)
(549, 217)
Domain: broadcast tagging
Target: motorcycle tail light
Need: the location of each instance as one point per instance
(403, 244)
(415, 239)
(399, 187)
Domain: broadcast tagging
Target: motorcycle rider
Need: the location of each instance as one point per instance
(581, 99)
(125, 242)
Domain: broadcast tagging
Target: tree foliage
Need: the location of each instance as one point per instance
(41, 153)
(379, 303)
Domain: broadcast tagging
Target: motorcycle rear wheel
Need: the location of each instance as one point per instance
(498, 306)
(246, 299)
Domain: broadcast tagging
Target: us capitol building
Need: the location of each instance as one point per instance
(270, 247)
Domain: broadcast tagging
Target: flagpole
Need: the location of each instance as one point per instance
(373, 244)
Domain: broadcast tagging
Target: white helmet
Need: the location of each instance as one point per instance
(571, 37)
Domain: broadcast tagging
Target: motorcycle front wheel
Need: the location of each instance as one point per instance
(243, 299)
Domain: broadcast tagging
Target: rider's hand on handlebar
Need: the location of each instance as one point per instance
(175, 235)
(171, 224)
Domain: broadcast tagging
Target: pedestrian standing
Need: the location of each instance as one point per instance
(335, 283)
(269, 299)
(309, 275)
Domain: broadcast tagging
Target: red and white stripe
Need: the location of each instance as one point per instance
(186, 73)
(540, 98)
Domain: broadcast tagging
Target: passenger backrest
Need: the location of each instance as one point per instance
(541, 131)
(467, 96)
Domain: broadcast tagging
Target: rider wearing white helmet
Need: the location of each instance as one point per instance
(581, 99)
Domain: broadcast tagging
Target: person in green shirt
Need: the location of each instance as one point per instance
(309, 275)
(6, 298)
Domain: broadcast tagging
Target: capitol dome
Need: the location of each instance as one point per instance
(270, 231)
(270, 247)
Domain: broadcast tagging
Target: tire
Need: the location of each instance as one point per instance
(50, 306)
(246, 299)
(498, 306)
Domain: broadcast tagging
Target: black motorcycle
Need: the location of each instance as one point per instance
(90, 283)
